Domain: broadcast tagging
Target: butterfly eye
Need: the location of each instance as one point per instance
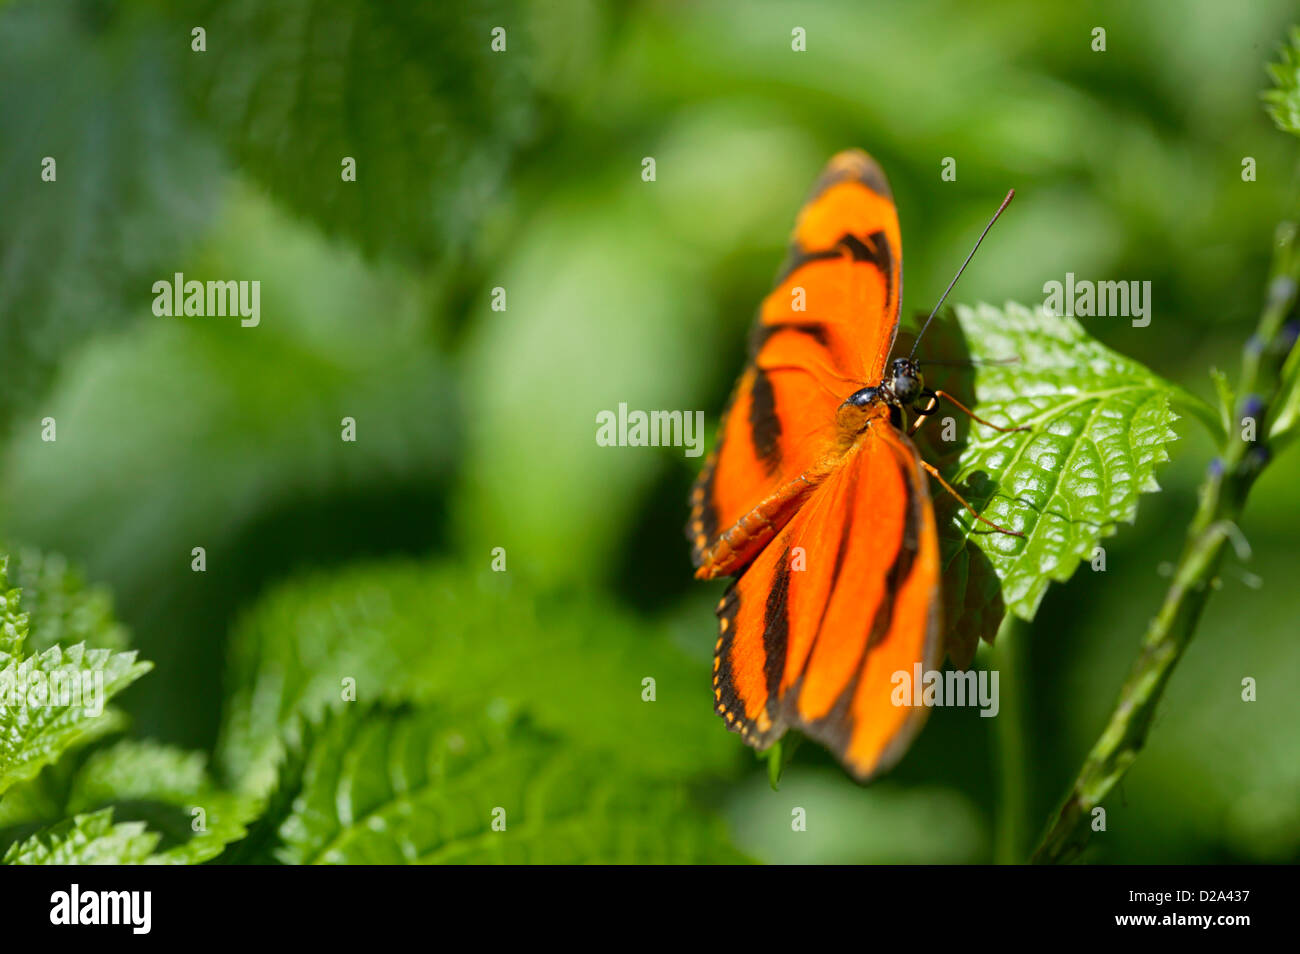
(907, 383)
(907, 388)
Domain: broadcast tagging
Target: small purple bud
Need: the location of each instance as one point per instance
(1253, 406)
(1259, 456)
(1216, 468)
(1290, 332)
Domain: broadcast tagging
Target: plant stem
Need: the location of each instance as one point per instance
(1222, 497)
(1013, 801)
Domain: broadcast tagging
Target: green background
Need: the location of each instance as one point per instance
(476, 427)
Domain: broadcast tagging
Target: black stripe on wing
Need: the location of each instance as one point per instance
(874, 249)
(764, 425)
(702, 528)
(776, 629)
(726, 701)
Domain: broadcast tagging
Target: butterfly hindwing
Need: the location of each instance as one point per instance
(844, 597)
(823, 332)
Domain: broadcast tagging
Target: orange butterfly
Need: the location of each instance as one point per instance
(817, 498)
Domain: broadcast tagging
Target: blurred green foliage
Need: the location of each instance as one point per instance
(409, 632)
(1284, 98)
(410, 787)
(475, 427)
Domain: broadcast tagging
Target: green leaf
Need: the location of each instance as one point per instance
(412, 92)
(135, 181)
(145, 782)
(14, 624)
(61, 607)
(34, 735)
(1098, 425)
(409, 631)
(165, 788)
(91, 839)
(53, 700)
(432, 786)
(150, 778)
(37, 802)
(1283, 101)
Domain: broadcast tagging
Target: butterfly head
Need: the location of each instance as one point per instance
(905, 381)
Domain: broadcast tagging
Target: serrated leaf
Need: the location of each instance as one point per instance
(412, 92)
(14, 623)
(91, 839)
(431, 786)
(1283, 101)
(409, 631)
(52, 700)
(147, 775)
(1099, 424)
(38, 725)
(141, 781)
(38, 802)
(62, 609)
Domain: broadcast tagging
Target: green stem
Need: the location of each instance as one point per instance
(1013, 796)
(1222, 498)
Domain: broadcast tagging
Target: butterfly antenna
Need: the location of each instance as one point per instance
(1005, 202)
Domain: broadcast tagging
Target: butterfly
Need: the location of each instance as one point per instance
(817, 500)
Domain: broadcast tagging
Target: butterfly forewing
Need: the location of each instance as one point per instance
(824, 331)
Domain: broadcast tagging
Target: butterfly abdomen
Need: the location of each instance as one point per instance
(742, 541)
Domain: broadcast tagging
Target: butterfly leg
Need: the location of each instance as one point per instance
(922, 413)
(930, 469)
(933, 406)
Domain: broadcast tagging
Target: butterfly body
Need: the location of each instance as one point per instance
(817, 501)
